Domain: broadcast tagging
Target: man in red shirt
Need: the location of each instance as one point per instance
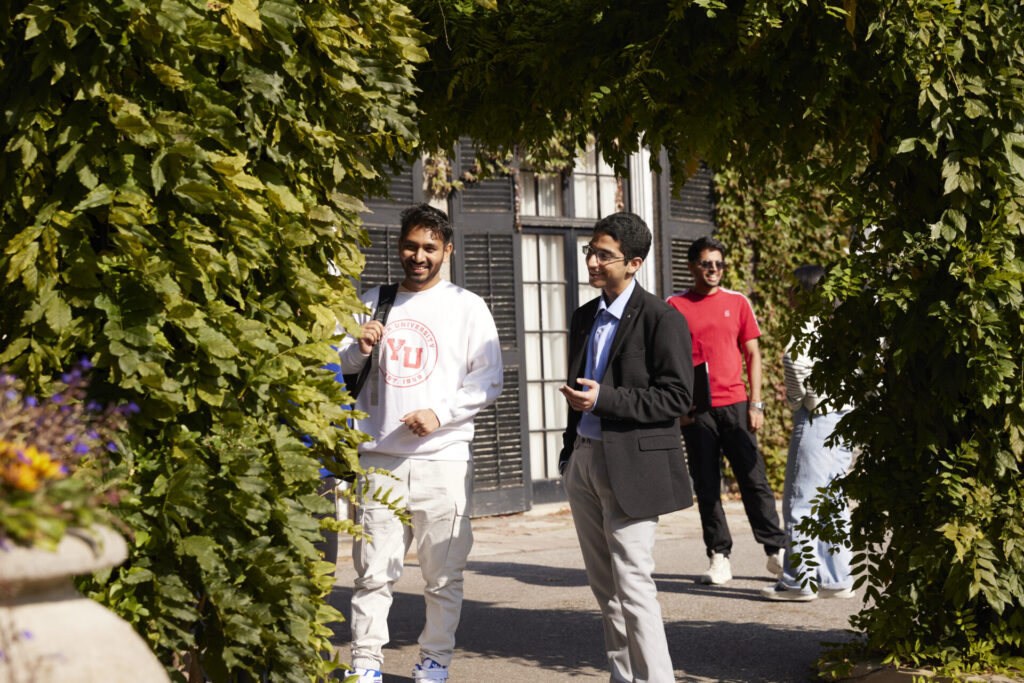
(724, 332)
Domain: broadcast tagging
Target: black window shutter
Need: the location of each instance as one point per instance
(487, 264)
(382, 263)
(686, 215)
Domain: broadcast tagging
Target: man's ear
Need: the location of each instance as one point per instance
(449, 249)
(633, 265)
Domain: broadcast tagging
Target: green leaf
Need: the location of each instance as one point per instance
(283, 198)
(204, 549)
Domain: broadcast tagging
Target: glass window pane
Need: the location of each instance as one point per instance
(552, 258)
(533, 357)
(530, 269)
(554, 356)
(585, 196)
(587, 293)
(554, 440)
(555, 409)
(609, 192)
(535, 405)
(538, 458)
(528, 196)
(549, 195)
(531, 313)
(584, 161)
(603, 167)
(553, 307)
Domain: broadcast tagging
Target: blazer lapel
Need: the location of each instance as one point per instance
(628, 320)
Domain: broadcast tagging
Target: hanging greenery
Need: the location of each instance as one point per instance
(181, 185)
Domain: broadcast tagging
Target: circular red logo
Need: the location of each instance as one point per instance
(408, 353)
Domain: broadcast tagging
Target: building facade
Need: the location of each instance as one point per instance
(518, 243)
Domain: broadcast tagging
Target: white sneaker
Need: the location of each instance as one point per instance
(837, 593)
(718, 572)
(780, 591)
(774, 563)
(429, 670)
(365, 675)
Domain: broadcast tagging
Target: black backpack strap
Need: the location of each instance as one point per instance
(354, 382)
(385, 300)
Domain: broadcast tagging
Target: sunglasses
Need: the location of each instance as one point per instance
(712, 265)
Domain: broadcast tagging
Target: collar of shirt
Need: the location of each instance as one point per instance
(606, 323)
(617, 307)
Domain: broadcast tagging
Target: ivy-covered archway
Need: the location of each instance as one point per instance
(907, 116)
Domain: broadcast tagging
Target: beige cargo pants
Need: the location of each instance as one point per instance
(436, 494)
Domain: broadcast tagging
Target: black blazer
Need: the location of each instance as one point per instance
(647, 385)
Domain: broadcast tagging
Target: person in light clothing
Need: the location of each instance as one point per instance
(439, 365)
(812, 464)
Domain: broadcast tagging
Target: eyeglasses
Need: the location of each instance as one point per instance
(603, 257)
(712, 265)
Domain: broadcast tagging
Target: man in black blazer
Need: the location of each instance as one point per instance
(630, 378)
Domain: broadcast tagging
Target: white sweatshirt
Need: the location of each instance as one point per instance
(440, 351)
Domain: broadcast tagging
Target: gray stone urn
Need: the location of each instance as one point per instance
(50, 633)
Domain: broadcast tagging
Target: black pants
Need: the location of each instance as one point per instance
(726, 427)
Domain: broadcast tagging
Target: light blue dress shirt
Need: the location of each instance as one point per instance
(598, 346)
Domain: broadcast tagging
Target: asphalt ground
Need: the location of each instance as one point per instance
(529, 614)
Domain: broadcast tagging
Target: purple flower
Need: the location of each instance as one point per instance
(93, 407)
(69, 437)
(81, 449)
(85, 365)
(67, 378)
(27, 635)
(31, 401)
(111, 446)
(57, 398)
(63, 469)
(92, 434)
(11, 395)
(133, 408)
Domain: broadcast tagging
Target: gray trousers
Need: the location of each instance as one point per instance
(618, 554)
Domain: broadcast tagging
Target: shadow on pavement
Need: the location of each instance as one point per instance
(535, 574)
(570, 640)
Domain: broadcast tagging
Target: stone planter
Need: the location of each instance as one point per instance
(50, 633)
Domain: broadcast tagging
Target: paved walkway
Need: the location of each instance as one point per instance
(529, 614)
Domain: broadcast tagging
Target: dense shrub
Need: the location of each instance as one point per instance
(180, 196)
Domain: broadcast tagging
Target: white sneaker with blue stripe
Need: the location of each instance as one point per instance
(365, 676)
(429, 670)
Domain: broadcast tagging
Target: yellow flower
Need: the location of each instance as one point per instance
(26, 468)
(21, 476)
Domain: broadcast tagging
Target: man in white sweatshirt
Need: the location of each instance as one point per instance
(439, 365)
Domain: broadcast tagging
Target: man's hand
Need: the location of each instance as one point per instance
(755, 417)
(581, 400)
(369, 336)
(421, 422)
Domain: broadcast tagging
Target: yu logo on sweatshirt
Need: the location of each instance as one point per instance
(409, 353)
